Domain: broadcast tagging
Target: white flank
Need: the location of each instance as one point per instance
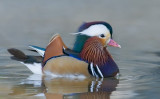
(40, 95)
(70, 76)
(36, 68)
(41, 52)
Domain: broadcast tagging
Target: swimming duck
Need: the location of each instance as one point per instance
(88, 58)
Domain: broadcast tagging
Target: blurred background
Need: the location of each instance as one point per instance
(135, 23)
(22, 22)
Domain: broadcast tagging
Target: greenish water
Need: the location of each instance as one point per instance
(136, 28)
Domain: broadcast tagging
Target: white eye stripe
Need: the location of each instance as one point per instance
(96, 30)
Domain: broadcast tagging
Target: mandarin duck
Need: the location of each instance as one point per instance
(88, 58)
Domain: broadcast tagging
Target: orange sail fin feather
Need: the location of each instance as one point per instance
(54, 48)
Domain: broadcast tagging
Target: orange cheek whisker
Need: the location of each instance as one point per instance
(94, 52)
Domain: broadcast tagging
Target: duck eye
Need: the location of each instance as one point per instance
(102, 35)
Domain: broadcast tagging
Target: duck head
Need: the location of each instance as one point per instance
(92, 41)
(102, 30)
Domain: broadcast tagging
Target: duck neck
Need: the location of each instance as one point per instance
(80, 41)
(94, 52)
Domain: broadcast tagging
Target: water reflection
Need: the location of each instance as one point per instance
(30, 86)
(59, 88)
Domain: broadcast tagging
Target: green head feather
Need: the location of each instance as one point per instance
(79, 43)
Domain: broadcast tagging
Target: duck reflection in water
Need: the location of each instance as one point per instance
(64, 88)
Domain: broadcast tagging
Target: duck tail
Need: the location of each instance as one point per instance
(18, 55)
(33, 63)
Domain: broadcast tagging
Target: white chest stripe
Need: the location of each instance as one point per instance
(92, 69)
(99, 71)
(96, 71)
